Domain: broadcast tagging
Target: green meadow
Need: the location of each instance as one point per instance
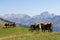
(25, 34)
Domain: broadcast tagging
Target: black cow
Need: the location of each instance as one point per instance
(45, 27)
(34, 27)
(6, 25)
(12, 25)
(9, 25)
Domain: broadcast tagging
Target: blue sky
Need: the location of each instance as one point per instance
(30, 7)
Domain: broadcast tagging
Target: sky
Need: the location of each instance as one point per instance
(29, 7)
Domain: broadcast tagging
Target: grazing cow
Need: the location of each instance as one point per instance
(7, 25)
(45, 27)
(34, 27)
(37, 27)
(12, 25)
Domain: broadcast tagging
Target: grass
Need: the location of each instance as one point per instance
(9, 31)
(25, 34)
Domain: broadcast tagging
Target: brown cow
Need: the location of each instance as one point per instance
(45, 27)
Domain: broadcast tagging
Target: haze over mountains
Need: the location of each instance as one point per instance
(24, 19)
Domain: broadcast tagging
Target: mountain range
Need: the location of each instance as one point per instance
(24, 19)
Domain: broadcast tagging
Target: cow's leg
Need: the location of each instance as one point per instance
(48, 30)
(42, 30)
(6, 26)
(38, 29)
(51, 30)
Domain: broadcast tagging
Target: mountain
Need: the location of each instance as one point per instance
(24, 19)
(27, 20)
(44, 17)
(18, 18)
(56, 21)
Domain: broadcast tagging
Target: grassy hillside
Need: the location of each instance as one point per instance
(2, 23)
(25, 34)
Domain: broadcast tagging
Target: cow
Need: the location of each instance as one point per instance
(37, 27)
(6, 25)
(12, 25)
(9, 25)
(47, 26)
(34, 27)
